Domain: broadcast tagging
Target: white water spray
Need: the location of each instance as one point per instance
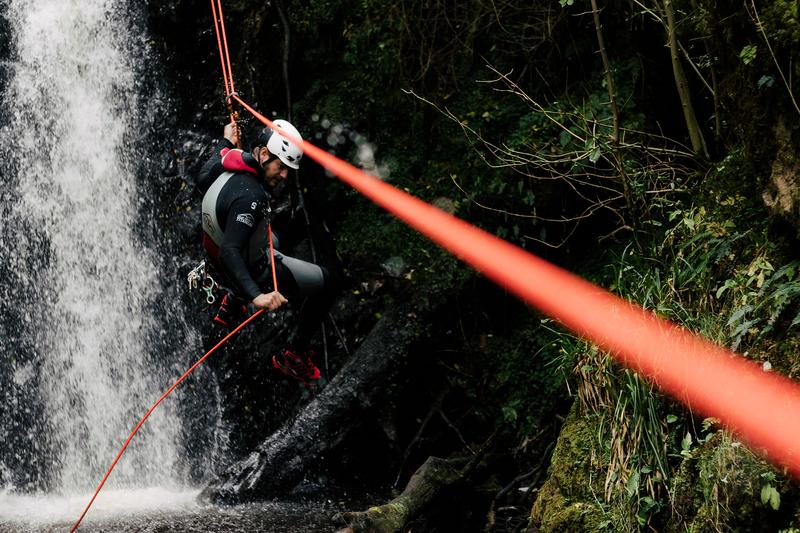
(72, 106)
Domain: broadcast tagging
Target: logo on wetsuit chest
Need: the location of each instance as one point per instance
(246, 218)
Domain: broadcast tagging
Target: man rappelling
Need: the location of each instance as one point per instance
(239, 188)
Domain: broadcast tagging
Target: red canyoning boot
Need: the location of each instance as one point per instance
(297, 366)
(231, 311)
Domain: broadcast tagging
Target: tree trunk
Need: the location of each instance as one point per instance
(434, 475)
(282, 460)
(695, 134)
(287, 46)
(612, 94)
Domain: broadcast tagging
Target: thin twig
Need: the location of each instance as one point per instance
(760, 27)
(454, 428)
(339, 334)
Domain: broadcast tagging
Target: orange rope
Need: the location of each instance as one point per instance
(760, 406)
(272, 258)
(147, 415)
(225, 43)
(227, 72)
(219, 45)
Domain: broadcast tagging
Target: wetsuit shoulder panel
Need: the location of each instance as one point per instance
(212, 168)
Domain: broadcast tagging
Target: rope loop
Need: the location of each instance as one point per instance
(231, 95)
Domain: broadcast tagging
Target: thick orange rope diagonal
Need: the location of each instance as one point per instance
(179, 380)
(761, 407)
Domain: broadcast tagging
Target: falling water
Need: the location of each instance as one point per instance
(77, 278)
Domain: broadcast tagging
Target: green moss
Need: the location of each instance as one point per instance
(719, 484)
(566, 501)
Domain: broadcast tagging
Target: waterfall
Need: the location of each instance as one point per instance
(77, 278)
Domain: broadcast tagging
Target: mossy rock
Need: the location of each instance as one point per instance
(718, 487)
(565, 501)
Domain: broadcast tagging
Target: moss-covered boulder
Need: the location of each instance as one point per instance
(721, 485)
(565, 501)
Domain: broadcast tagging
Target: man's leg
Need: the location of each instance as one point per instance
(314, 289)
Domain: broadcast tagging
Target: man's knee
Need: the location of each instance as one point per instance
(332, 280)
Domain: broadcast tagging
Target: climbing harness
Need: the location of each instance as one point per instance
(199, 278)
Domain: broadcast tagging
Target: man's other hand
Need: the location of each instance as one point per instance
(270, 301)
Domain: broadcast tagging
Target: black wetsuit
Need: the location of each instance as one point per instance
(236, 209)
(242, 206)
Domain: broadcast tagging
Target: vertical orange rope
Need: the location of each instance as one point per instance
(225, 44)
(219, 46)
(227, 71)
(272, 258)
(227, 76)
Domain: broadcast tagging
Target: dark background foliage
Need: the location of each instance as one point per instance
(499, 112)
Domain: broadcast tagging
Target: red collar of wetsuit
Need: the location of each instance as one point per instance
(236, 160)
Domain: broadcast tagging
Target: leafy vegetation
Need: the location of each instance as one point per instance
(682, 233)
(506, 114)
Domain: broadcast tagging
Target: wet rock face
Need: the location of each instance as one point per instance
(782, 194)
(182, 34)
(5, 49)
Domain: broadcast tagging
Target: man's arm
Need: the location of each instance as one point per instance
(243, 218)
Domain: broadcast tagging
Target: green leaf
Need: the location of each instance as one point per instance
(510, 414)
(671, 419)
(633, 484)
(595, 155)
(686, 443)
(738, 314)
(748, 54)
(729, 284)
(775, 499)
(770, 495)
(766, 81)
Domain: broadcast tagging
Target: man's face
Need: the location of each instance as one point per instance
(275, 171)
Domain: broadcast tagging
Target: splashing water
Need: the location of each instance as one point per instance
(78, 371)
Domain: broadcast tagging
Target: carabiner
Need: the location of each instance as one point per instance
(208, 286)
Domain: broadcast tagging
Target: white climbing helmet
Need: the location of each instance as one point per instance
(283, 148)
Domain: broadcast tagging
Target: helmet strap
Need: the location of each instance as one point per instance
(272, 157)
(269, 159)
